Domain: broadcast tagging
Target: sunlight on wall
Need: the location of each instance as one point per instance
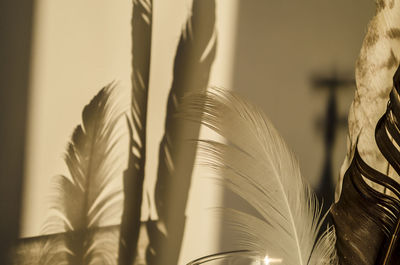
(79, 46)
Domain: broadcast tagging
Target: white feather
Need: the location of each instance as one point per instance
(257, 165)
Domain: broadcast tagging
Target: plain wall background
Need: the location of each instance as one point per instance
(279, 46)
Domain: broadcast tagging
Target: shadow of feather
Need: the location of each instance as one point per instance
(90, 197)
(194, 57)
(134, 175)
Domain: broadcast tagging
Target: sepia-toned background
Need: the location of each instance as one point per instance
(272, 52)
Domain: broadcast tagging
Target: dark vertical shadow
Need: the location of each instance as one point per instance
(15, 52)
(194, 57)
(325, 190)
(134, 176)
(329, 126)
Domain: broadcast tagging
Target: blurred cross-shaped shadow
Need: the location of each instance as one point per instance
(328, 125)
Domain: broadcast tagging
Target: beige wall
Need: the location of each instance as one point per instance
(78, 47)
(279, 46)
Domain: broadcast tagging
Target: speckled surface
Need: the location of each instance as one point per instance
(377, 62)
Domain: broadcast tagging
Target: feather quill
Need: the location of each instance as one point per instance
(91, 196)
(134, 175)
(193, 60)
(257, 165)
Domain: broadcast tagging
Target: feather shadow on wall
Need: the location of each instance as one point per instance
(72, 239)
(91, 197)
(134, 175)
(194, 57)
(86, 205)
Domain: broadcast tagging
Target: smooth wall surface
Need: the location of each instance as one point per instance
(280, 46)
(15, 48)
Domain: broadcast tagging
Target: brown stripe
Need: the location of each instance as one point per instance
(393, 33)
(380, 4)
(372, 36)
(392, 61)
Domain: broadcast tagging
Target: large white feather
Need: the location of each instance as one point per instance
(257, 165)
